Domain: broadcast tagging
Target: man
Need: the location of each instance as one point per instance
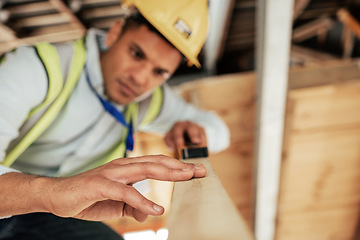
(65, 168)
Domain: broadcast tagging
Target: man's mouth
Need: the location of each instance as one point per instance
(127, 90)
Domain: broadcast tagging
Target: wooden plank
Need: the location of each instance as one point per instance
(36, 7)
(347, 42)
(48, 30)
(299, 7)
(105, 23)
(51, 37)
(304, 56)
(66, 13)
(357, 230)
(101, 12)
(314, 13)
(319, 192)
(312, 29)
(319, 109)
(6, 33)
(322, 73)
(201, 209)
(349, 21)
(245, 4)
(38, 21)
(100, 2)
(19, 1)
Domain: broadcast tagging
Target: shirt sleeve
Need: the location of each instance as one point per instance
(176, 109)
(23, 86)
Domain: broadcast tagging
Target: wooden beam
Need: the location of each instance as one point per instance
(349, 21)
(103, 12)
(100, 2)
(30, 8)
(66, 13)
(20, 1)
(6, 34)
(322, 73)
(202, 210)
(357, 231)
(299, 7)
(274, 19)
(70, 34)
(48, 30)
(304, 56)
(319, 11)
(105, 23)
(312, 29)
(38, 21)
(347, 42)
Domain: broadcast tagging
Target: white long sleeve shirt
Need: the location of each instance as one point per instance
(83, 131)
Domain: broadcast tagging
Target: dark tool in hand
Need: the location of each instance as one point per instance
(193, 150)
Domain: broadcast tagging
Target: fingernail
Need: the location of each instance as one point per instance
(157, 208)
(199, 166)
(186, 169)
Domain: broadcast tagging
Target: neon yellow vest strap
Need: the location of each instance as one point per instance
(155, 107)
(2, 58)
(49, 56)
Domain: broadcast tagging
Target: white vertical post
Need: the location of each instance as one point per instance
(274, 23)
(220, 12)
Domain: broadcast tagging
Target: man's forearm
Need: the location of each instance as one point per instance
(20, 194)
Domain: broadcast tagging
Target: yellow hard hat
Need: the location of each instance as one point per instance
(184, 23)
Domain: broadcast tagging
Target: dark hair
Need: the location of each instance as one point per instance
(135, 20)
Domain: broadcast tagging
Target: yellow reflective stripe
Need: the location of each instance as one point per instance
(77, 63)
(155, 106)
(2, 58)
(50, 58)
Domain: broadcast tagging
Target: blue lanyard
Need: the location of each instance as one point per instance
(116, 114)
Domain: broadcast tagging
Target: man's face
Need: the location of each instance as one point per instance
(136, 63)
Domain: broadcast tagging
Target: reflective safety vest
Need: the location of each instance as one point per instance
(58, 94)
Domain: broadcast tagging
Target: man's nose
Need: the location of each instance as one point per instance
(141, 74)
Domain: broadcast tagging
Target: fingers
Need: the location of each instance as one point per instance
(175, 137)
(129, 211)
(134, 172)
(159, 167)
(129, 195)
(160, 159)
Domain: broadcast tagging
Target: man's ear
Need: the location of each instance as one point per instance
(113, 33)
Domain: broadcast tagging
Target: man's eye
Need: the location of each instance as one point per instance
(136, 54)
(162, 74)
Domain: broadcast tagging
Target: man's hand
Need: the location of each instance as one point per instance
(101, 193)
(175, 137)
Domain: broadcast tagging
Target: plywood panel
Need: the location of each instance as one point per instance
(319, 194)
(327, 106)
